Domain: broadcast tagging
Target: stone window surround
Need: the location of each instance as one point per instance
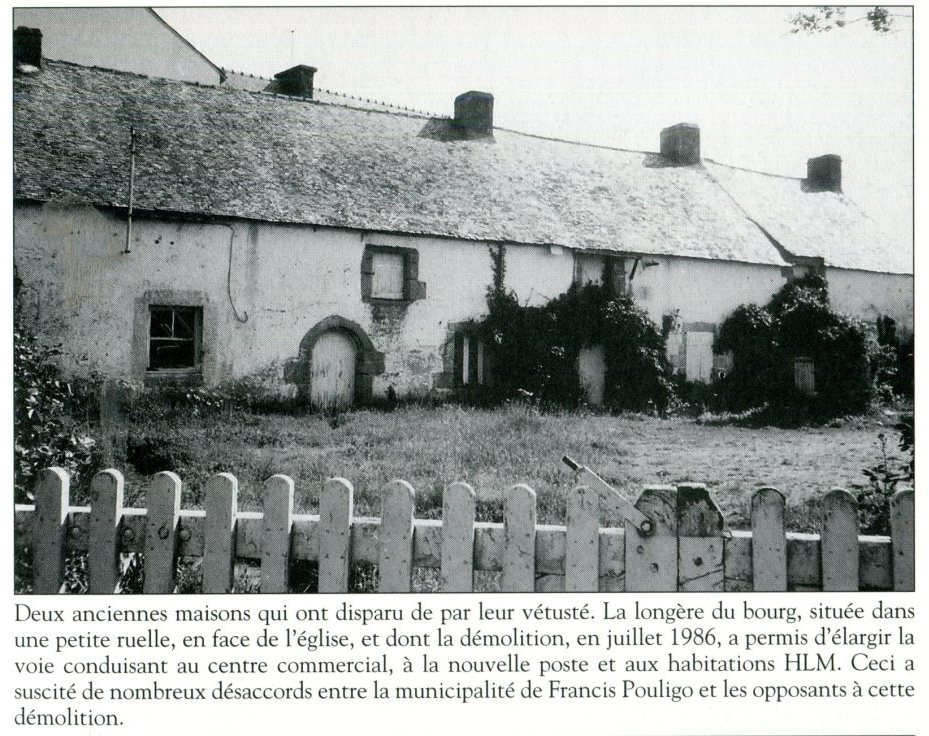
(467, 341)
(140, 333)
(413, 288)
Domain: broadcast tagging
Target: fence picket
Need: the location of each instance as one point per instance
(651, 561)
(220, 501)
(840, 541)
(769, 543)
(700, 540)
(277, 519)
(335, 535)
(582, 550)
(903, 539)
(519, 541)
(164, 506)
(686, 552)
(49, 530)
(395, 566)
(106, 512)
(458, 539)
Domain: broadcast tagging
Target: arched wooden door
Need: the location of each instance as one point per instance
(332, 374)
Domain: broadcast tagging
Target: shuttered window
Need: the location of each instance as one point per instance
(470, 361)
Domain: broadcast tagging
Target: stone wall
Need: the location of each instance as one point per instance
(81, 290)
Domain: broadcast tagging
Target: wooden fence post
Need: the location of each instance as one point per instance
(458, 539)
(769, 543)
(164, 507)
(582, 541)
(651, 561)
(106, 513)
(49, 530)
(220, 501)
(700, 540)
(335, 536)
(395, 566)
(840, 541)
(278, 507)
(519, 541)
(903, 539)
(686, 551)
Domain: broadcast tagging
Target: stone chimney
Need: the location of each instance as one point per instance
(296, 81)
(27, 47)
(474, 114)
(824, 173)
(680, 144)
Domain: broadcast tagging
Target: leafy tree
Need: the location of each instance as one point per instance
(826, 18)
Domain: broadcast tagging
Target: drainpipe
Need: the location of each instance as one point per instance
(128, 248)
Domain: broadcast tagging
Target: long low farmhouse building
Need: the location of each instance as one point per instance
(167, 231)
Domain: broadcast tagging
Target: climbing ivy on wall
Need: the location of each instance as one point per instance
(798, 321)
(534, 349)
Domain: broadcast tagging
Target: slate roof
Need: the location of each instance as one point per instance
(225, 152)
(814, 224)
(255, 83)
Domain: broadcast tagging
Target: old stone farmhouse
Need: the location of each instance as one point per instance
(168, 231)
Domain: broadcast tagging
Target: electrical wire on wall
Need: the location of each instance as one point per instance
(244, 316)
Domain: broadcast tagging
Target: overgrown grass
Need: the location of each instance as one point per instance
(493, 449)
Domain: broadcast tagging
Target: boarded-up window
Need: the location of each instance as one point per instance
(470, 361)
(174, 337)
(388, 276)
(699, 355)
(805, 376)
(391, 274)
(591, 371)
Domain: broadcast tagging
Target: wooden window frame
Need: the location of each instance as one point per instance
(413, 288)
(197, 338)
(205, 369)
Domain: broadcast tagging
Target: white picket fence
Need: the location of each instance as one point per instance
(689, 549)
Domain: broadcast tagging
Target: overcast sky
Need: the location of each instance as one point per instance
(764, 98)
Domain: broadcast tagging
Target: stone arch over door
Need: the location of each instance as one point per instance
(369, 362)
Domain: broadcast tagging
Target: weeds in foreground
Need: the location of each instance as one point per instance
(884, 478)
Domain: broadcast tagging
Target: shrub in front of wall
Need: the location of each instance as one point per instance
(526, 352)
(797, 322)
(47, 410)
(842, 354)
(748, 333)
(534, 350)
(893, 367)
(638, 374)
(905, 378)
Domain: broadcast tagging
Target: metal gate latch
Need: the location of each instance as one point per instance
(610, 498)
